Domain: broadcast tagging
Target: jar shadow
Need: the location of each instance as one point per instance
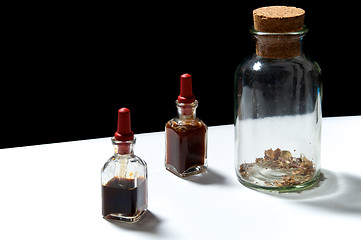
(148, 223)
(337, 192)
(207, 178)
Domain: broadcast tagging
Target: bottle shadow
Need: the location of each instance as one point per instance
(148, 223)
(337, 192)
(207, 178)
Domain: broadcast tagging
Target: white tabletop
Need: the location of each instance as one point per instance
(52, 191)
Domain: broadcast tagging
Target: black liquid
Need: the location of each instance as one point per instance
(121, 197)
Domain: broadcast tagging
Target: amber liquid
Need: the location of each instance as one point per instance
(186, 146)
(121, 197)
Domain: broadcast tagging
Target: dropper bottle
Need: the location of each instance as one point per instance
(124, 176)
(186, 135)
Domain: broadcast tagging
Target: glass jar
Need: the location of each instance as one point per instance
(278, 115)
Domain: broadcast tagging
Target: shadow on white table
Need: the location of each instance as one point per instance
(336, 192)
(208, 178)
(149, 223)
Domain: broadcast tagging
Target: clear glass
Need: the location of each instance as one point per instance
(186, 142)
(278, 115)
(124, 184)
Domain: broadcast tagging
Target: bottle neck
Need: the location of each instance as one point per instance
(187, 110)
(279, 45)
(123, 147)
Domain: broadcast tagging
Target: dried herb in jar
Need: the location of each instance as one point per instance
(296, 170)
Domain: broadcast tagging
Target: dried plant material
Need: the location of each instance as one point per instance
(297, 170)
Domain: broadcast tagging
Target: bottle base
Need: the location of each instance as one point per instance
(189, 172)
(256, 185)
(122, 218)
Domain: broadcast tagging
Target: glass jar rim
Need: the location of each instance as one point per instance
(303, 31)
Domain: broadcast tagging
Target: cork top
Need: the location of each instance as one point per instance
(278, 19)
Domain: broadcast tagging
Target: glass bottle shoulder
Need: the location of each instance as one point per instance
(192, 123)
(130, 160)
(259, 64)
(124, 166)
(127, 158)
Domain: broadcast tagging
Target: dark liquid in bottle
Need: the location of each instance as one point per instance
(121, 197)
(186, 145)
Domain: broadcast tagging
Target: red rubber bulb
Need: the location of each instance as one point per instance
(124, 132)
(186, 93)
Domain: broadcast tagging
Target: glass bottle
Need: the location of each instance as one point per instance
(124, 177)
(186, 135)
(278, 113)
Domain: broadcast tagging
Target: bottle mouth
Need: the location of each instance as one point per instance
(118, 142)
(191, 104)
(282, 45)
(303, 31)
(123, 146)
(186, 109)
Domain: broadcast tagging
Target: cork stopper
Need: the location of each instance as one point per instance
(278, 19)
(278, 31)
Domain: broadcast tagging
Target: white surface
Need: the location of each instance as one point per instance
(53, 192)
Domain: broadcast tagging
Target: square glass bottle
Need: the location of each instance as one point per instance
(124, 177)
(186, 135)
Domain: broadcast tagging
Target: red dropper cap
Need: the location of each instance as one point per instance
(186, 93)
(124, 133)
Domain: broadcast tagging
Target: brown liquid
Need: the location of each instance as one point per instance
(120, 197)
(186, 145)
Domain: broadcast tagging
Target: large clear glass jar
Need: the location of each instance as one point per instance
(278, 115)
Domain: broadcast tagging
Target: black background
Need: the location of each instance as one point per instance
(68, 68)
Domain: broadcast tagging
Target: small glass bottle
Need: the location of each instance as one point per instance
(124, 177)
(186, 135)
(278, 106)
